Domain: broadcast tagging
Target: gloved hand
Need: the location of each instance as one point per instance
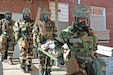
(4, 33)
(92, 53)
(60, 59)
(35, 45)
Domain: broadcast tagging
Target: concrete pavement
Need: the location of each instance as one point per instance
(6, 69)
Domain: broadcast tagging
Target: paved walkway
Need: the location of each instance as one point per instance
(6, 69)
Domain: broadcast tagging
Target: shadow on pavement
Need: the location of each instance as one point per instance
(34, 71)
(1, 68)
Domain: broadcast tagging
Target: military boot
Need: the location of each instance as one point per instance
(28, 68)
(1, 58)
(10, 60)
(23, 69)
(23, 65)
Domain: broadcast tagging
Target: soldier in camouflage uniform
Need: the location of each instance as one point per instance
(23, 34)
(44, 31)
(81, 42)
(7, 36)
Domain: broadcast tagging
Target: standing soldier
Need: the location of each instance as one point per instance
(7, 40)
(44, 31)
(23, 35)
(81, 43)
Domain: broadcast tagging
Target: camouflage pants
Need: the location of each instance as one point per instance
(26, 54)
(2, 48)
(45, 64)
(9, 46)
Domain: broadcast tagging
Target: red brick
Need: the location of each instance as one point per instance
(17, 5)
(108, 4)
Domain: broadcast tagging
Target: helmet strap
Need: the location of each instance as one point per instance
(76, 21)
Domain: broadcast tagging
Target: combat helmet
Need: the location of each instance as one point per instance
(7, 12)
(81, 11)
(26, 10)
(46, 11)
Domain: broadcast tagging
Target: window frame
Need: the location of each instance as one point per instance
(104, 14)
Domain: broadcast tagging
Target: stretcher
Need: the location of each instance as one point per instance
(48, 54)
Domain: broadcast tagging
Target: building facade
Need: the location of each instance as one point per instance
(100, 17)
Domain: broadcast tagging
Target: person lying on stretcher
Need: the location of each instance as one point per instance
(50, 46)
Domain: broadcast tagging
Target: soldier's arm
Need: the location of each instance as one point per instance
(66, 35)
(35, 30)
(35, 35)
(13, 24)
(0, 27)
(16, 30)
(16, 27)
(95, 40)
(95, 43)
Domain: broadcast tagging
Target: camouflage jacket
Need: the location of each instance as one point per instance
(44, 31)
(6, 26)
(23, 28)
(79, 42)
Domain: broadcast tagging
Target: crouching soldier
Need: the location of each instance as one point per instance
(24, 37)
(81, 42)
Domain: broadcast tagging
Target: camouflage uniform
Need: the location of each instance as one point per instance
(81, 41)
(44, 30)
(23, 35)
(6, 30)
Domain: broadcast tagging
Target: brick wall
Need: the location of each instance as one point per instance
(17, 5)
(108, 4)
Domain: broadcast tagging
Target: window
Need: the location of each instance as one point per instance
(63, 11)
(98, 23)
(97, 11)
(98, 18)
(63, 15)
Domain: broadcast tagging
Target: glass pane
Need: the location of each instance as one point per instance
(91, 11)
(98, 11)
